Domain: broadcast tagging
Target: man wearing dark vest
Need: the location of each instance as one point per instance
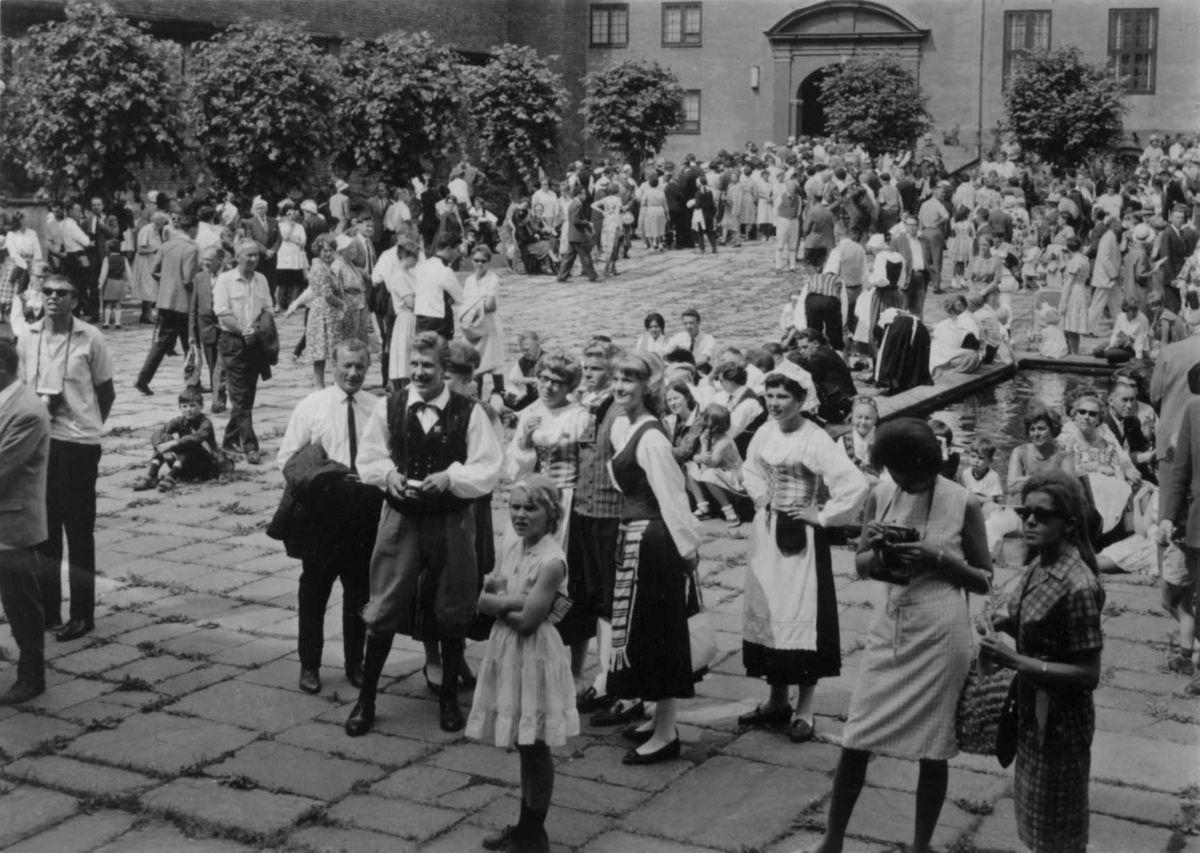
(433, 453)
(830, 375)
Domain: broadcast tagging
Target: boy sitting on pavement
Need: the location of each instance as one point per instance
(186, 445)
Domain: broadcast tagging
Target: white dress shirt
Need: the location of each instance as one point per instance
(397, 214)
(471, 479)
(321, 418)
(74, 237)
(433, 278)
(240, 300)
(704, 347)
(742, 413)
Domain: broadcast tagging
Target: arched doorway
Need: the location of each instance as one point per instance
(810, 112)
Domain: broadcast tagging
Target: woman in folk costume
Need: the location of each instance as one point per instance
(924, 538)
(658, 549)
(546, 440)
(790, 629)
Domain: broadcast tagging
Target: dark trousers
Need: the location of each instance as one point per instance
(444, 326)
(824, 314)
(84, 279)
(582, 250)
(710, 231)
(169, 327)
(852, 294)
(70, 509)
(243, 366)
(681, 223)
(1114, 355)
(21, 597)
(350, 563)
(915, 296)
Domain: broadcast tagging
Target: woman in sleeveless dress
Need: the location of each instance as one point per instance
(1042, 454)
(657, 550)
(790, 628)
(919, 646)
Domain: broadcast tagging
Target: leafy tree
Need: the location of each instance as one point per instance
(516, 113)
(404, 104)
(876, 102)
(1062, 108)
(95, 102)
(630, 107)
(260, 101)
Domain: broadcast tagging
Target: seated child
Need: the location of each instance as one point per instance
(717, 468)
(1054, 342)
(950, 456)
(984, 482)
(187, 446)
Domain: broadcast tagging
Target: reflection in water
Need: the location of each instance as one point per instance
(997, 413)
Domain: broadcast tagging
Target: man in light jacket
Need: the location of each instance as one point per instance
(178, 265)
(1105, 270)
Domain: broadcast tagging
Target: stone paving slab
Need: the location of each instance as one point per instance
(251, 811)
(328, 839)
(160, 743)
(252, 706)
(78, 834)
(160, 836)
(55, 771)
(281, 767)
(414, 821)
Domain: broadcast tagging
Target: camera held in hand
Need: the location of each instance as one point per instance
(890, 568)
(52, 399)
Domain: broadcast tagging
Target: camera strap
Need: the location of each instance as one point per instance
(44, 342)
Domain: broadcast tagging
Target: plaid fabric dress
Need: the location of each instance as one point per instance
(1057, 614)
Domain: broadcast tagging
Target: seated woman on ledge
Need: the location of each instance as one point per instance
(1130, 335)
(954, 345)
(1110, 474)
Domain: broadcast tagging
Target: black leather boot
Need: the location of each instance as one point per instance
(450, 716)
(363, 715)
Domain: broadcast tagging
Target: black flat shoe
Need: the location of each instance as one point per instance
(20, 693)
(310, 681)
(73, 630)
(613, 715)
(355, 676)
(666, 753)
(589, 701)
(450, 717)
(361, 719)
(637, 736)
(765, 719)
(801, 731)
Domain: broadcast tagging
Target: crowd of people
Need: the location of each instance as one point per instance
(617, 451)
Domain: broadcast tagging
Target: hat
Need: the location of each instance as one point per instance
(1180, 208)
(344, 242)
(1142, 233)
(341, 185)
(309, 206)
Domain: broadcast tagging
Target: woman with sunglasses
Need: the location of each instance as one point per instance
(480, 319)
(1110, 473)
(547, 441)
(1054, 616)
(925, 537)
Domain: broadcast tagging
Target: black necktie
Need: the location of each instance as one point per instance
(352, 430)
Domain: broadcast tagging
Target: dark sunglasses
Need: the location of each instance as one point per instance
(1039, 514)
(1091, 413)
(54, 291)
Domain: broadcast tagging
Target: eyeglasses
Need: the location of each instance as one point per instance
(1039, 514)
(552, 381)
(57, 292)
(1091, 413)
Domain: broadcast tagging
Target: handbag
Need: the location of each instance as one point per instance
(982, 705)
(702, 635)
(791, 534)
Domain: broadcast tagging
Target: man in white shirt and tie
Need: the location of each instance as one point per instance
(434, 453)
(700, 344)
(341, 517)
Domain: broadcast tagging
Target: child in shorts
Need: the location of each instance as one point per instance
(185, 446)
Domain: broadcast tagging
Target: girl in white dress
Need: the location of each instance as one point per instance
(480, 319)
(525, 695)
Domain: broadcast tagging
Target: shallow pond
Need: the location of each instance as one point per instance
(997, 413)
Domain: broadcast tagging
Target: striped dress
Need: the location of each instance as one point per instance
(919, 645)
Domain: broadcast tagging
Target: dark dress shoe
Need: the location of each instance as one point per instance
(74, 629)
(355, 676)
(310, 681)
(666, 753)
(217, 408)
(500, 840)
(633, 733)
(615, 716)
(253, 457)
(450, 717)
(801, 731)
(21, 692)
(589, 701)
(765, 719)
(143, 389)
(360, 719)
(533, 840)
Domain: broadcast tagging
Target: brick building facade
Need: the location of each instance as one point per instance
(751, 68)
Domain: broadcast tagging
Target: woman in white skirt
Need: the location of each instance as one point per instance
(924, 537)
(395, 270)
(480, 319)
(790, 628)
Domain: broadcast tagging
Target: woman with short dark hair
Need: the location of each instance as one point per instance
(925, 538)
(1054, 616)
(655, 339)
(1043, 453)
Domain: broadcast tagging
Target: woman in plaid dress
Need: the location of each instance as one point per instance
(918, 648)
(1055, 618)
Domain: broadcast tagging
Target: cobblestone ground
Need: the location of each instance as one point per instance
(178, 724)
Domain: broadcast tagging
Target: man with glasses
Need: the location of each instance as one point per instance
(66, 363)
